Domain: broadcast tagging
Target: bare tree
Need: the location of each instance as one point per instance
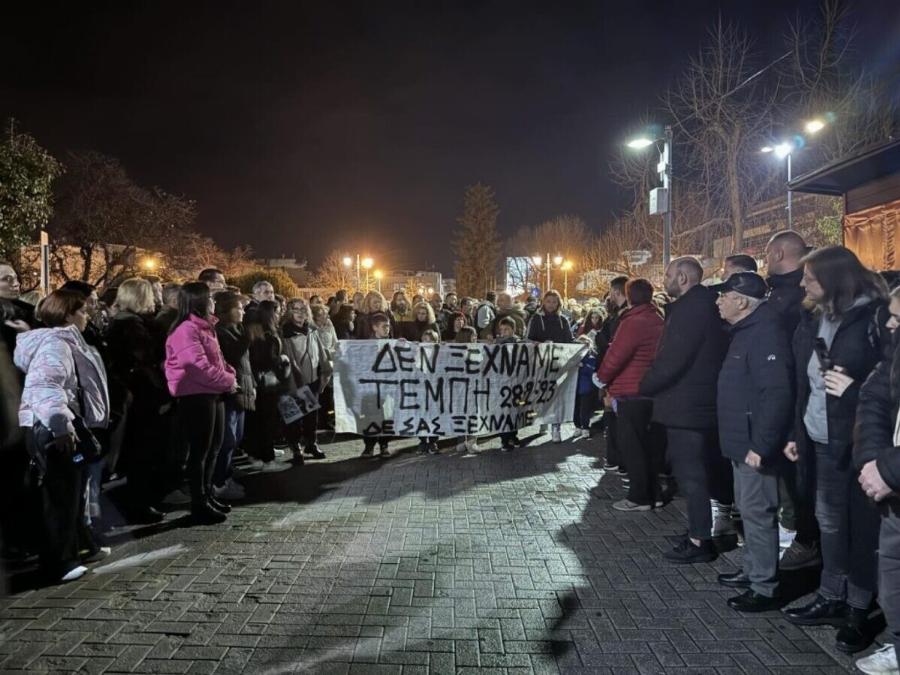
(332, 273)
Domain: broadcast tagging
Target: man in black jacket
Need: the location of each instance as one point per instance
(616, 305)
(876, 453)
(682, 382)
(754, 402)
(784, 253)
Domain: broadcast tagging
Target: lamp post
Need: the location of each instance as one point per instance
(554, 261)
(785, 150)
(361, 263)
(378, 274)
(566, 266)
(661, 202)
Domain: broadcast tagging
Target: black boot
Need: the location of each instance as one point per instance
(204, 514)
(751, 601)
(735, 579)
(217, 505)
(857, 634)
(820, 612)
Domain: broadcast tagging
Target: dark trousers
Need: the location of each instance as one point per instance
(261, 427)
(585, 405)
(797, 509)
(306, 427)
(636, 443)
(612, 442)
(889, 575)
(848, 522)
(201, 421)
(696, 461)
(62, 513)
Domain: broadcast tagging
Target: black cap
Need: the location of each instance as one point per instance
(746, 283)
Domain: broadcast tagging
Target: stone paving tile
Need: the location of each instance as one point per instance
(495, 563)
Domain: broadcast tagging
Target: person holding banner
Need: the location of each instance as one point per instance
(310, 371)
(549, 325)
(372, 305)
(381, 330)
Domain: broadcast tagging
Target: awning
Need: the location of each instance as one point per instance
(843, 175)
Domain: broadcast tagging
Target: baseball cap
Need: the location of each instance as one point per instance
(745, 283)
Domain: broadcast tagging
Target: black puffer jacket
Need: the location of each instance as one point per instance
(755, 392)
(860, 343)
(683, 378)
(607, 331)
(549, 328)
(786, 298)
(235, 346)
(876, 416)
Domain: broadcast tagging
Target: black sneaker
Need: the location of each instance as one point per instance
(315, 452)
(735, 580)
(751, 601)
(368, 451)
(685, 553)
(820, 612)
(432, 448)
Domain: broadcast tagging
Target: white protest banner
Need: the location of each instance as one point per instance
(399, 388)
(296, 406)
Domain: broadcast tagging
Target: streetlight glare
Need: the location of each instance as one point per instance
(567, 265)
(536, 259)
(378, 274)
(639, 143)
(348, 261)
(557, 260)
(782, 150)
(767, 148)
(814, 125)
(367, 263)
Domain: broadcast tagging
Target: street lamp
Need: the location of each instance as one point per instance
(149, 264)
(378, 274)
(566, 266)
(661, 199)
(785, 150)
(366, 263)
(555, 261)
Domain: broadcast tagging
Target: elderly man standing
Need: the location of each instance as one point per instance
(682, 383)
(754, 407)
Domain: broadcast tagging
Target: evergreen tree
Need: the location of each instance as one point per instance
(476, 244)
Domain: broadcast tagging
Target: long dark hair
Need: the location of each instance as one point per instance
(264, 320)
(843, 279)
(193, 299)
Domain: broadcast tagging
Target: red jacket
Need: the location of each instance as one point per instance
(632, 351)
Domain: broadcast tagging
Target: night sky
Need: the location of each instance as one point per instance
(303, 127)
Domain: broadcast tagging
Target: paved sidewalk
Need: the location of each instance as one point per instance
(498, 562)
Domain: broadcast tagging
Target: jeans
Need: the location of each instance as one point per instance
(201, 421)
(234, 434)
(695, 459)
(756, 491)
(889, 575)
(848, 522)
(585, 405)
(797, 513)
(637, 442)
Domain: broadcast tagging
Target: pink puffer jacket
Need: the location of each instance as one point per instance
(194, 361)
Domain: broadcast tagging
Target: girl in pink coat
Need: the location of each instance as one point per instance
(198, 376)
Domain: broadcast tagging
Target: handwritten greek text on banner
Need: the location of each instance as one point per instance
(397, 388)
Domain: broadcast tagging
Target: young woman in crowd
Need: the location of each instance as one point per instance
(836, 346)
(593, 321)
(310, 367)
(271, 374)
(198, 377)
(549, 325)
(456, 322)
(138, 392)
(236, 349)
(381, 330)
(373, 305)
(64, 397)
(328, 337)
(345, 322)
(423, 320)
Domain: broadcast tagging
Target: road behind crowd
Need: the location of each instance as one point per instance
(493, 562)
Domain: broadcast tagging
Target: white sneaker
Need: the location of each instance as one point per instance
(280, 452)
(75, 573)
(785, 537)
(882, 662)
(555, 436)
(229, 491)
(274, 467)
(252, 464)
(723, 526)
(585, 435)
(471, 444)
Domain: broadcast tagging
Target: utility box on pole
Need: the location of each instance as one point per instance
(659, 201)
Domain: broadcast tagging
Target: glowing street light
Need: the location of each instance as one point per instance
(378, 274)
(661, 198)
(814, 126)
(567, 266)
(555, 261)
(364, 263)
(149, 264)
(639, 143)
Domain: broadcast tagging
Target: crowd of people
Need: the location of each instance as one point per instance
(770, 403)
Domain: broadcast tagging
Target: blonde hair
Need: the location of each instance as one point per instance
(366, 304)
(136, 295)
(427, 307)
